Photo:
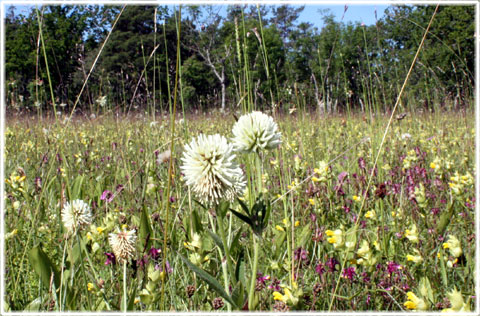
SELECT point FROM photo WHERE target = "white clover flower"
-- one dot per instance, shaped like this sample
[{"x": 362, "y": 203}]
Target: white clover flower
[
  {"x": 123, "y": 244},
  {"x": 76, "y": 215},
  {"x": 210, "y": 169},
  {"x": 254, "y": 132}
]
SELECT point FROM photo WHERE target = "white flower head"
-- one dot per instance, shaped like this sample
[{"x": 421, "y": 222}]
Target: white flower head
[
  {"x": 254, "y": 132},
  {"x": 210, "y": 169},
  {"x": 123, "y": 244},
  {"x": 76, "y": 215}
]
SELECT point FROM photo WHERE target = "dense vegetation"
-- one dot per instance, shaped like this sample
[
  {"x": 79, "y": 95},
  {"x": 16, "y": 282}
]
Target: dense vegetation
[
  {"x": 422, "y": 192},
  {"x": 263, "y": 56}
]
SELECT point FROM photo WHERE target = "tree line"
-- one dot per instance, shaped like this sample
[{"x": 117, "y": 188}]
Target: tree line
[{"x": 259, "y": 56}]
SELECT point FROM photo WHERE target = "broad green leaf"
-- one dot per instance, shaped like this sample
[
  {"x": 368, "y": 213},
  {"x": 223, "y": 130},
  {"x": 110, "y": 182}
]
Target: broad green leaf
[
  {"x": 240, "y": 268},
  {"x": 77, "y": 187},
  {"x": 204, "y": 275},
  {"x": 145, "y": 228},
  {"x": 216, "y": 238},
  {"x": 44, "y": 267}
]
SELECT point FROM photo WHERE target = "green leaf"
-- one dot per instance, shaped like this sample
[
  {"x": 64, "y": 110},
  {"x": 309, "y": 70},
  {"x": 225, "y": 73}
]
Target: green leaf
[
  {"x": 34, "y": 306},
  {"x": 445, "y": 220},
  {"x": 244, "y": 207},
  {"x": 222, "y": 209},
  {"x": 240, "y": 269},
  {"x": 77, "y": 187},
  {"x": 131, "y": 301},
  {"x": 426, "y": 289},
  {"x": 242, "y": 217},
  {"x": 44, "y": 267},
  {"x": 202, "y": 274},
  {"x": 145, "y": 228},
  {"x": 216, "y": 239},
  {"x": 238, "y": 294}
]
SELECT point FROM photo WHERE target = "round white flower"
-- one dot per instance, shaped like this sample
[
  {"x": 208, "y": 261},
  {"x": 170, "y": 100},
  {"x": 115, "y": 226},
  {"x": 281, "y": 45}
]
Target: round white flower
[
  {"x": 254, "y": 132},
  {"x": 210, "y": 169},
  {"x": 123, "y": 244},
  {"x": 76, "y": 215}
]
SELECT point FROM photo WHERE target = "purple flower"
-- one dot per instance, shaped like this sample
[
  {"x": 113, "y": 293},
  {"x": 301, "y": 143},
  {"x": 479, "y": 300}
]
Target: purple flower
[
  {"x": 107, "y": 196},
  {"x": 275, "y": 285},
  {"x": 349, "y": 273},
  {"x": 331, "y": 264},
  {"x": 320, "y": 268},
  {"x": 393, "y": 267},
  {"x": 167, "y": 266},
  {"x": 262, "y": 278},
  {"x": 110, "y": 258},
  {"x": 367, "y": 301},
  {"x": 153, "y": 252}
]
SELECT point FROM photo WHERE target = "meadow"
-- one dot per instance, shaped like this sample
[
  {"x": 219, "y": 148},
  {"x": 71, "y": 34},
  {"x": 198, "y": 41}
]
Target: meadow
[{"x": 316, "y": 225}]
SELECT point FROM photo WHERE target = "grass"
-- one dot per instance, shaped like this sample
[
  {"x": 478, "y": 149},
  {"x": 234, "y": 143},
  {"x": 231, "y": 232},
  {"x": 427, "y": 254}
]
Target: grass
[{"x": 47, "y": 164}]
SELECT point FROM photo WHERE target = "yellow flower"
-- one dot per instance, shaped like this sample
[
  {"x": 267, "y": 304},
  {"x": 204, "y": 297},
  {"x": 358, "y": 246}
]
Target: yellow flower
[
  {"x": 277, "y": 296},
  {"x": 453, "y": 245},
  {"x": 315, "y": 179},
  {"x": 412, "y": 234},
  {"x": 335, "y": 237},
  {"x": 415, "y": 258},
  {"x": 415, "y": 302},
  {"x": 297, "y": 223},
  {"x": 280, "y": 228},
  {"x": 90, "y": 287},
  {"x": 356, "y": 198},
  {"x": 312, "y": 201},
  {"x": 456, "y": 300},
  {"x": 100, "y": 230},
  {"x": 370, "y": 214}
]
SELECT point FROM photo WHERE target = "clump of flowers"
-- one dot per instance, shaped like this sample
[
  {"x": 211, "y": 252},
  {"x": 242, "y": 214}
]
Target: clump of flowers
[
  {"x": 456, "y": 301},
  {"x": 254, "y": 132},
  {"x": 335, "y": 237},
  {"x": 415, "y": 303},
  {"x": 76, "y": 215},
  {"x": 420, "y": 196},
  {"x": 322, "y": 173},
  {"x": 409, "y": 159},
  {"x": 412, "y": 234},
  {"x": 123, "y": 244},
  {"x": 210, "y": 169},
  {"x": 453, "y": 245}
]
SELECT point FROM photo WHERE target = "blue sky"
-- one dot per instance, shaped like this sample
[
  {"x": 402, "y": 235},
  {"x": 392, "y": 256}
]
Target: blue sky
[{"x": 312, "y": 12}]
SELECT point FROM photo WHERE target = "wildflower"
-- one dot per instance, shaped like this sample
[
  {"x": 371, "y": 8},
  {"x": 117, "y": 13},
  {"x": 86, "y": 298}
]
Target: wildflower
[
  {"x": 210, "y": 170},
  {"x": 335, "y": 237},
  {"x": 453, "y": 245},
  {"x": 412, "y": 234},
  {"x": 456, "y": 300},
  {"x": 90, "y": 286},
  {"x": 406, "y": 136},
  {"x": 415, "y": 258},
  {"x": 107, "y": 196},
  {"x": 311, "y": 201},
  {"x": 254, "y": 132},
  {"x": 415, "y": 302},
  {"x": 76, "y": 215},
  {"x": 164, "y": 157},
  {"x": 349, "y": 273},
  {"x": 322, "y": 171},
  {"x": 320, "y": 268},
  {"x": 370, "y": 214},
  {"x": 123, "y": 244},
  {"x": 356, "y": 198},
  {"x": 420, "y": 196}
]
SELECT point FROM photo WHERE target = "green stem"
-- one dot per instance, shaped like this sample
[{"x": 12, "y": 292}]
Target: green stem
[
  {"x": 221, "y": 229},
  {"x": 224, "y": 266},
  {"x": 251, "y": 294},
  {"x": 125, "y": 286}
]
